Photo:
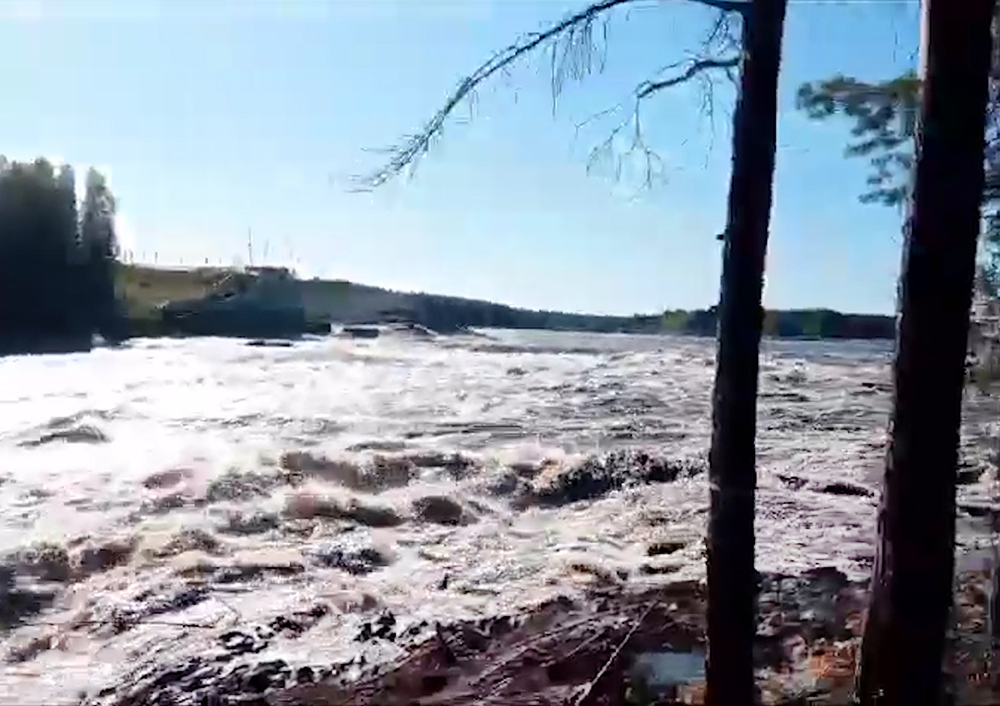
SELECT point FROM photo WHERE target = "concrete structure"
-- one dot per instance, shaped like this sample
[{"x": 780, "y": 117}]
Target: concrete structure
[
  {"x": 262, "y": 301},
  {"x": 276, "y": 288}
]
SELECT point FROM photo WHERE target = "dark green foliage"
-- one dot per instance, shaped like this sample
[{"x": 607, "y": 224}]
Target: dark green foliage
[
  {"x": 56, "y": 267},
  {"x": 885, "y": 122},
  {"x": 446, "y": 314},
  {"x": 885, "y": 125},
  {"x": 802, "y": 323}
]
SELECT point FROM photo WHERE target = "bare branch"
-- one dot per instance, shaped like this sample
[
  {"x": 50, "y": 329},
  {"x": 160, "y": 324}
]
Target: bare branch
[
  {"x": 578, "y": 53},
  {"x": 726, "y": 5},
  {"x": 576, "y": 61},
  {"x": 648, "y": 88},
  {"x": 637, "y": 148}
]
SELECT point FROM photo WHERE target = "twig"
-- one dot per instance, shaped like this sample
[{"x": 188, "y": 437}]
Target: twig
[
  {"x": 577, "y": 26},
  {"x": 650, "y": 87},
  {"x": 697, "y": 69},
  {"x": 579, "y": 648},
  {"x": 582, "y": 698}
]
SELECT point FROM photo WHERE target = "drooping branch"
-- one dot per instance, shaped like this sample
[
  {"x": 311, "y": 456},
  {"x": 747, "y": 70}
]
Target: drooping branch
[
  {"x": 648, "y": 88},
  {"x": 575, "y": 62},
  {"x": 885, "y": 122},
  {"x": 637, "y": 146}
]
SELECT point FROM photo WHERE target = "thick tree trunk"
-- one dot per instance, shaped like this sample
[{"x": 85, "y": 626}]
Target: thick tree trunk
[
  {"x": 732, "y": 580},
  {"x": 912, "y": 584}
]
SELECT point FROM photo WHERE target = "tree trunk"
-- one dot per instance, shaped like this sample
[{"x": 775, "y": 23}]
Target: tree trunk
[
  {"x": 912, "y": 583},
  {"x": 732, "y": 581}
]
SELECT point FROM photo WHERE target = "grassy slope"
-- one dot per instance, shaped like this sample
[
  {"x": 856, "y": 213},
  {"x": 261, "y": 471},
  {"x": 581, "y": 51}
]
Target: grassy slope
[{"x": 145, "y": 287}]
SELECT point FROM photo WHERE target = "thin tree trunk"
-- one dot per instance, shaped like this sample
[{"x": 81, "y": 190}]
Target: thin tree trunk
[
  {"x": 732, "y": 580},
  {"x": 912, "y": 583}
]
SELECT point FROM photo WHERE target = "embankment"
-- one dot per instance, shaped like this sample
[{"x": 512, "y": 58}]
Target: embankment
[{"x": 143, "y": 288}]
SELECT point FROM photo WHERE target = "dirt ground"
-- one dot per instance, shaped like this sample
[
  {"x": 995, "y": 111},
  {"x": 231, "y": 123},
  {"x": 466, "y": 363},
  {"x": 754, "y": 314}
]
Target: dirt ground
[{"x": 578, "y": 653}]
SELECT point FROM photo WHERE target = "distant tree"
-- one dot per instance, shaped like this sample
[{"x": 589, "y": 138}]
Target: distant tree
[
  {"x": 675, "y": 321},
  {"x": 100, "y": 245},
  {"x": 885, "y": 124},
  {"x": 55, "y": 273}
]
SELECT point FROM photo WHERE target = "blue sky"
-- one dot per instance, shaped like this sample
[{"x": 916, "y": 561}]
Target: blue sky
[{"x": 215, "y": 116}]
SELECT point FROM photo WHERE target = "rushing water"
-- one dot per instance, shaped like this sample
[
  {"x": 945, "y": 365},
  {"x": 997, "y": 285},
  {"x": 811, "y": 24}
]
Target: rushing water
[{"x": 150, "y": 489}]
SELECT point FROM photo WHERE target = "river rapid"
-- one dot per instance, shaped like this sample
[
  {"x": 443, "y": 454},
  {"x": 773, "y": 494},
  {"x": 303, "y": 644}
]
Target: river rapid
[{"x": 154, "y": 495}]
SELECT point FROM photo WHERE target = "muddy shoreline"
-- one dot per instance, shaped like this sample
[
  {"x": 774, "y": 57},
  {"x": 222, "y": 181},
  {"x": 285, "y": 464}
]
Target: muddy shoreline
[{"x": 580, "y": 650}]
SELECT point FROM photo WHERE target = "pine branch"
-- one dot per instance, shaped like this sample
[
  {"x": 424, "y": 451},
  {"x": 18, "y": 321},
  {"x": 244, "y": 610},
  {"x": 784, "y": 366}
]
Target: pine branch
[
  {"x": 577, "y": 28},
  {"x": 885, "y": 123}
]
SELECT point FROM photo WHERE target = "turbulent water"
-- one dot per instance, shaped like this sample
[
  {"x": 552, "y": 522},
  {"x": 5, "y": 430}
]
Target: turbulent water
[{"x": 168, "y": 485}]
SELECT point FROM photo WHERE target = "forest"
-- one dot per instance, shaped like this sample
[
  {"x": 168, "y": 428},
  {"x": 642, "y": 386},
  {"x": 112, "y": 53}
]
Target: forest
[
  {"x": 62, "y": 282},
  {"x": 449, "y": 314},
  {"x": 57, "y": 257}
]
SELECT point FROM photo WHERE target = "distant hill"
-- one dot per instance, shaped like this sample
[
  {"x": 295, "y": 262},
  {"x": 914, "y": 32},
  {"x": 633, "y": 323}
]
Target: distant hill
[{"x": 341, "y": 301}]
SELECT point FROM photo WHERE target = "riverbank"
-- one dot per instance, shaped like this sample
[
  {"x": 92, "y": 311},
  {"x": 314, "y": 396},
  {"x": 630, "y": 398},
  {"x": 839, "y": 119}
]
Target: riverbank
[
  {"x": 314, "y": 304},
  {"x": 144, "y": 288},
  {"x": 641, "y": 644}
]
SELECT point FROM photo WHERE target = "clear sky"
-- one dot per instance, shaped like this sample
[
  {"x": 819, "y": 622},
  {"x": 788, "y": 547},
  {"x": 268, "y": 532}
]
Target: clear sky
[{"x": 215, "y": 116}]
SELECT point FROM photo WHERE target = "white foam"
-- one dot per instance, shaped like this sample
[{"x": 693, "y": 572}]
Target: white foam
[{"x": 213, "y": 406}]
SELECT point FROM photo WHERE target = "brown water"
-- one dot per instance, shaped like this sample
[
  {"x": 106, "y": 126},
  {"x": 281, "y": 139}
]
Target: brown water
[{"x": 170, "y": 484}]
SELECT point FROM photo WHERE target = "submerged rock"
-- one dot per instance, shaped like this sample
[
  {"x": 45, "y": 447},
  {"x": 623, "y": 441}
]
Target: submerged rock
[
  {"x": 270, "y": 343},
  {"x": 660, "y": 548},
  {"x": 379, "y": 473},
  {"x": 45, "y": 561},
  {"x": 186, "y": 540},
  {"x": 239, "y": 486},
  {"x": 300, "y": 465},
  {"x": 848, "y": 489},
  {"x": 82, "y": 434},
  {"x": 19, "y": 601},
  {"x": 357, "y": 560},
  {"x": 597, "y": 476},
  {"x": 167, "y": 479},
  {"x": 442, "y": 510},
  {"x": 249, "y": 523},
  {"x": 307, "y": 506},
  {"x": 96, "y": 557}
]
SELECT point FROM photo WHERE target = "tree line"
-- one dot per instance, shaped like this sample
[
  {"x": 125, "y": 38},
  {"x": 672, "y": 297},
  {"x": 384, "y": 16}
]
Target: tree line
[
  {"x": 795, "y": 323},
  {"x": 57, "y": 256},
  {"x": 446, "y": 314},
  {"x": 934, "y": 142},
  {"x": 58, "y": 266}
]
